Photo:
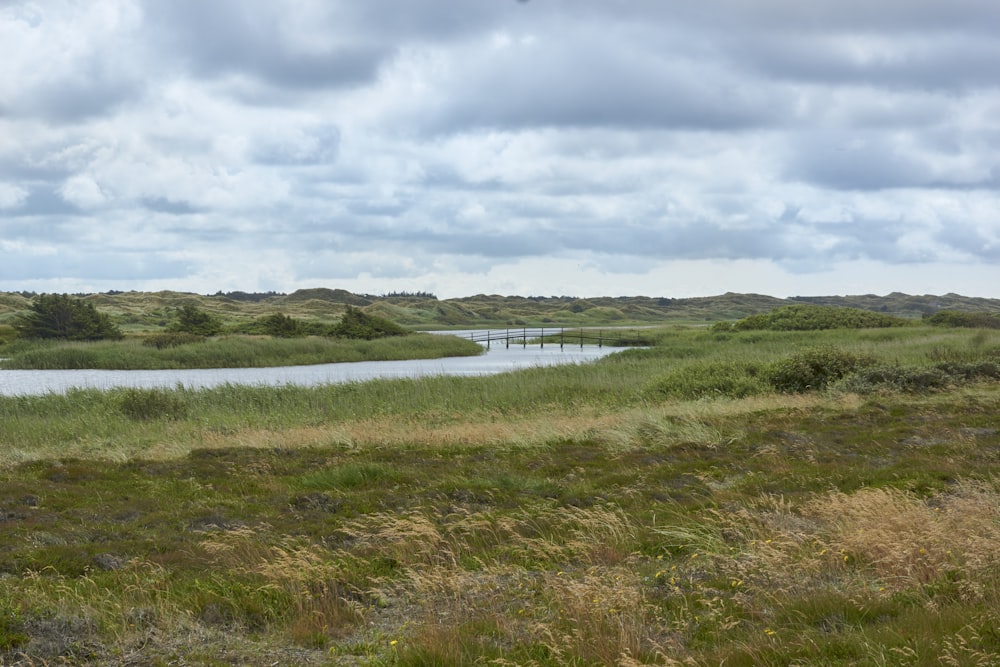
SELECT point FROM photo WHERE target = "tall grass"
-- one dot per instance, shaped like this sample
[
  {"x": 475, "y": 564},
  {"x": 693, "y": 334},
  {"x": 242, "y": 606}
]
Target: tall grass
[
  {"x": 231, "y": 352},
  {"x": 684, "y": 365}
]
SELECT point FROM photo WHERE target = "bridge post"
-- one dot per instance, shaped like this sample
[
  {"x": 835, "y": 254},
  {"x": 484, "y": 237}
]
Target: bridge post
[
  {"x": 508, "y": 339},
  {"x": 561, "y": 332},
  {"x": 541, "y": 339}
]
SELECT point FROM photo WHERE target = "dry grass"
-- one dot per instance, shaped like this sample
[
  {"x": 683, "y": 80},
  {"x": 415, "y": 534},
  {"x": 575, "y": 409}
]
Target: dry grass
[{"x": 907, "y": 541}]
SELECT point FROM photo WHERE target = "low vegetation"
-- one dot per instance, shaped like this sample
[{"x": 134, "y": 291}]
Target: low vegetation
[
  {"x": 742, "y": 498},
  {"x": 813, "y": 318},
  {"x": 957, "y": 318},
  {"x": 175, "y": 351},
  {"x": 63, "y": 332}
]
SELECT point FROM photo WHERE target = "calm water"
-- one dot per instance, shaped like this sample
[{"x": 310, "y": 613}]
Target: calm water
[{"x": 498, "y": 359}]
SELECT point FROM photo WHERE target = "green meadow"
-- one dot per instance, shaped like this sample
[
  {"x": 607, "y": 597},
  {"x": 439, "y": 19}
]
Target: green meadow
[{"x": 723, "y": 496}]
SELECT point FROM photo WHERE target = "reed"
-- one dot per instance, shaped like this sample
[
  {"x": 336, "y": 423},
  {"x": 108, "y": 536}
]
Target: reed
[{"x": 230, "y": 352}]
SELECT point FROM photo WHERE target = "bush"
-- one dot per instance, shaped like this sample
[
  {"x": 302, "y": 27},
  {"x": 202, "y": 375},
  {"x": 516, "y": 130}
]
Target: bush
[
  {"x": 971, "y": 371},
  {"x": 190, "y": 319},
  {"x": 815, "y": 368},
  {"x": 813, "y": 318},
  {"x": 357, "y": 324},
  {"x": 12, "y": 634},
  {"x": 281, "y": 326},
  {"x": 710, "y": 380},
  {"x": 893, "y": 378},
  {"x": 61, "y": 316},
  {"x": 148, "y": 404},
  {"x": 956, "y": 318},
  {"x": 8, "y": 334}
]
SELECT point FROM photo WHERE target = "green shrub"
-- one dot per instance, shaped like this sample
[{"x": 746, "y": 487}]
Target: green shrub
[
  {"x": 162, "y": 341},
  {"x": 956, "y": 318},
  {"x": 813, "y": 318},
  {"x": 815, "y": 368},
  {"x": 148, "y": 404},
  {"x": 8, "y": 334},
  {"x": 64, "y": 317},
  {"x": 190, "y": 319},
  {"x": 358, "y": 324},
  {"x": 971, "y": 371},
  {"x": 282, "y": 326},
  {"x": 12, "y": 635},
  {"x": 709, "y": 380},
  {"x": 909, "y": 379}
]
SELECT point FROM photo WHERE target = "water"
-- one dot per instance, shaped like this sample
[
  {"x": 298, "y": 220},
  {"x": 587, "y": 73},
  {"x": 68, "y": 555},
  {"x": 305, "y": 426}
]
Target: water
[{"x": 498, "y": 359}]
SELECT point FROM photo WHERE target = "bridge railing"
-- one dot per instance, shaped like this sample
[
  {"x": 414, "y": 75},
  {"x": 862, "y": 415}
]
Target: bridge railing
[{"x": 560, "y": 336}]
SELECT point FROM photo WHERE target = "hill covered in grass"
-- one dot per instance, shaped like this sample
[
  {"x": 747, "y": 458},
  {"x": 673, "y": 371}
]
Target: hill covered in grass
[{"x": 144, "y": 311}]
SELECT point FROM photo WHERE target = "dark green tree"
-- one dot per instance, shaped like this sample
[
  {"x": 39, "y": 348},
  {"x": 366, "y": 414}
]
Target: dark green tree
[
  {"x": 64, "y": 317},
  {"x": 190, "y": 319},
  {"x": 281, "y": 326},
  {"x": 357, "y": 324}
]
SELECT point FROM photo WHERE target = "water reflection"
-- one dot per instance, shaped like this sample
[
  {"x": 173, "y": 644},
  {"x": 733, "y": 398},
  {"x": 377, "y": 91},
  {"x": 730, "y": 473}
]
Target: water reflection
[{"x": 498, "y": 359}]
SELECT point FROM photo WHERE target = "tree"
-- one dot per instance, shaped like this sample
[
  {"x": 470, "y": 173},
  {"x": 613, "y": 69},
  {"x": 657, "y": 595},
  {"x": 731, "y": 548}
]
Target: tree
[
  {"x": 357, "y": 324},
  {"x": 64, "y": 317},
  {"x": 281, "y": 326},
  {"x": 189, "y": 319}
]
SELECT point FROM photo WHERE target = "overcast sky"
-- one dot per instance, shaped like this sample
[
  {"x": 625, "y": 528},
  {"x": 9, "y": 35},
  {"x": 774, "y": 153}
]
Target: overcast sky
[{"x": 541, "y": 147}]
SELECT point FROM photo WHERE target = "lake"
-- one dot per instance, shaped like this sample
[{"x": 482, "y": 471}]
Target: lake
[{"x": 498, "y": 359}]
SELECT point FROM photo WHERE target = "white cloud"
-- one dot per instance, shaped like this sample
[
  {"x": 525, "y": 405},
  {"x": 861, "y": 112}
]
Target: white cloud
[
  {"x": 83, "y": 191},
  {"x": 573, "y": 146},
  {"x": 12, "y": 196}
]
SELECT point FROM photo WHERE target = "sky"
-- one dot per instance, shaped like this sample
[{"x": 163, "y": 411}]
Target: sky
[{"x": 513, "y": 147}]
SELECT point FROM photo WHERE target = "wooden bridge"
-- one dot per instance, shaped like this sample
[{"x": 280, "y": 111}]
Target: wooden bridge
[{"x": 560, "y": 336}]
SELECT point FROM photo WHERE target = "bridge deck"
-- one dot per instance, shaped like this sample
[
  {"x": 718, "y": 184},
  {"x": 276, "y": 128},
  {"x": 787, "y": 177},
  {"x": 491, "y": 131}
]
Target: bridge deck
[{"x": 559, "y": 335}]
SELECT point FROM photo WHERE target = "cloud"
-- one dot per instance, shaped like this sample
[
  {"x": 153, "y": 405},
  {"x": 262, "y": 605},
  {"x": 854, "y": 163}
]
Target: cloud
[
  {"x": 12, "y": 196},
  {"x": 242, "y": 144}
]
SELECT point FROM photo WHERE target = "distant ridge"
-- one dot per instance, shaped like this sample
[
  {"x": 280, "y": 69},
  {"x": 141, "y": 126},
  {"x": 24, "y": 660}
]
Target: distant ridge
[{"x": 424, "y": 310}]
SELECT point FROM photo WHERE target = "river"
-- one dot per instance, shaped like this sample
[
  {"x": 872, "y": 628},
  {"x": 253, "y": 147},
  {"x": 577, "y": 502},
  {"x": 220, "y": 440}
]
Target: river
[{"x": 498, "y": 359}]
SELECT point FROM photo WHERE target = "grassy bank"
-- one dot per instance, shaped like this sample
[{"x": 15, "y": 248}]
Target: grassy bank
[
  {"x": 591, "y": 515},
  {"x": 229, "y": 352}
]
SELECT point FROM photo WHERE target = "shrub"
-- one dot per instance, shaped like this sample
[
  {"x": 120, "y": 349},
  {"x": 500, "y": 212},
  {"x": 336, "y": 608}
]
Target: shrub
[
  {"x": 7, "y": 334},
  {"x": 190, "y": 319},
  {"x": 813, "y": 318},
  {"x": 358, "y": 324},
  {"x": 956, "y": 318},
  {"x": 281, "y": 326},
  {"x": 65, "y": 317},
  {"x": 815, "y": 368},
  {"x": 971, "y": 371},
  {"x": 708, "y": 380},
  {"x": 148, "y": 404},
  {"x": 893, "y": 378},
  {"x": 12, "y": 634}
]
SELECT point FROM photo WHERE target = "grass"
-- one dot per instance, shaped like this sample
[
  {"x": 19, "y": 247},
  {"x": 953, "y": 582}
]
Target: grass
[
  {"x": 557, "y": 516},
  {"x": 229, "y": 352}
]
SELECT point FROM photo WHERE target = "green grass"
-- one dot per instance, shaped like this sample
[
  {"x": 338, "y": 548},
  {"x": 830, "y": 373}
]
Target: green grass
[
  {"x": 230, "y": 352},
  {"x": 555, "y": 516}
]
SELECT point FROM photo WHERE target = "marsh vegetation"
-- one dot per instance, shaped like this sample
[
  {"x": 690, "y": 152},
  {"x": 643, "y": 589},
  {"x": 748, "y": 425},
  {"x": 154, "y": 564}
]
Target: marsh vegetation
[{"x": 682, "y": 504}]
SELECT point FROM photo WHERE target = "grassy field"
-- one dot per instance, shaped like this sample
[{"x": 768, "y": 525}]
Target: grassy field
[
  {"x": 687, "y": 504},
  {"x": 228, "y": 352}
]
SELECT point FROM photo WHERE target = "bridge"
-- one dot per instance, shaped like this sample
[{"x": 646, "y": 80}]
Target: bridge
[{"x": 560, "y": 336}]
